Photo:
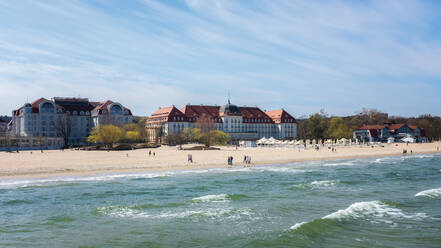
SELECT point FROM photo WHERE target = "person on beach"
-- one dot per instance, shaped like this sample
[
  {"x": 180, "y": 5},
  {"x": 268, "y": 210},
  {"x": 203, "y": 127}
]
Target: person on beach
[
  {"x": 245, "y": 158},
  {"x": 248, "y": 159},
  {"x": 150, "y": 153},
  {"x": 154, "y": 154},
  {"x": 190, "y": 158}
]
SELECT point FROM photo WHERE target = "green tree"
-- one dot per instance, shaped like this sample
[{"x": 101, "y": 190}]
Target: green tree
[
  {"x": 316, "y": 126},
  {"x": 338, "y": 129},
  {"x": 132, "y": 136},
  {"x": 95, "y": 136},
  {"x": 213, "y": 137},
  {"x": 108, "y": 134},
  {"x": 111, "y": 134}
]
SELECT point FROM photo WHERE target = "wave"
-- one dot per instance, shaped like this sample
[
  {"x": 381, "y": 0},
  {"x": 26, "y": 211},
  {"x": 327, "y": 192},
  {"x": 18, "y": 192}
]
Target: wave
[
  {"x": 431, "y": 193},
  {"x": 219, "y": 198},
  {"x": 345, "y": 163},
  {"x": 372, "y": 211},
  {"x": 212, "y": 213},
  {"x": 325, "y": 183},
  {"x": 212, "y": 198},
  {"x": 63, "y": 180}
]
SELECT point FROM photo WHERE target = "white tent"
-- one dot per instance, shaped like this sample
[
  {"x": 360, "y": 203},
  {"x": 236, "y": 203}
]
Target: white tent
[
  {"x": 408, "y": 139},
  {"x": 262, "y": 141}
]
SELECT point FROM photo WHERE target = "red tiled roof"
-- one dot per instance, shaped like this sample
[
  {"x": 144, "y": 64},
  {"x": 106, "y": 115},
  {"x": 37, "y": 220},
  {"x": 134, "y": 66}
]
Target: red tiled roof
[
  {"x": 166, "y": 114},
  {"x": 372, "y": 127},
  {"x": 254, "y": 114},
  {"x": 280, "y": 116},
  {"x": 192, "y": 112}
]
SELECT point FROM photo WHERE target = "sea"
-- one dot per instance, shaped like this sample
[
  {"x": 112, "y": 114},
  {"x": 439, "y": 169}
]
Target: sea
[{"x": 374, "y": 202}]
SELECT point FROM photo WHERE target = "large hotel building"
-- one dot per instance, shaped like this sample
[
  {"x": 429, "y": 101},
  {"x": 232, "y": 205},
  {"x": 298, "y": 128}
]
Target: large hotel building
[
  {"x": 44, "y": 118},
  {"x": 241, "y": 123}
]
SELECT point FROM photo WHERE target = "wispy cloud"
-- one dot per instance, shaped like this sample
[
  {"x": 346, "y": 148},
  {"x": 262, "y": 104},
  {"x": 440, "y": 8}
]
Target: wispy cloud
[{"x": 299, "y": 55}]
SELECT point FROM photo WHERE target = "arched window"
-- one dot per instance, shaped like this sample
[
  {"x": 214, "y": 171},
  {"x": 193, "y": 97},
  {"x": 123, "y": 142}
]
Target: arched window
[
  {"x": 116, "y": 110},
  {"x": 74, "y": 112},
  {"x": 47, "y": 107},
  {"x": 82, "y": 113}
]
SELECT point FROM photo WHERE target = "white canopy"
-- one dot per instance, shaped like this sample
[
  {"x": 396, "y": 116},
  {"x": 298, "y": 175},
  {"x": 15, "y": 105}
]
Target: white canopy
[{"x": 408, "y": 139}]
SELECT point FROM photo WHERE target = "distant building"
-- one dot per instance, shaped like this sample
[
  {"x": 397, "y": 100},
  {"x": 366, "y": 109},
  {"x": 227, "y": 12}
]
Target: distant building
[
  {"x": 4, "y": 120},
  {"x": 48, "y": 118},
  {"x": 241, "y": 123},
  {"x": 375, "y": 133}
]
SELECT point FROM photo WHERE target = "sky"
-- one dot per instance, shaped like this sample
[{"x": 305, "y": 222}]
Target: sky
[{"x": 302, "y": 56}]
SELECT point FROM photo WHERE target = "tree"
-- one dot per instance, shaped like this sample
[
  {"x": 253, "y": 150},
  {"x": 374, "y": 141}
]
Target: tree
[
  {"x": 63, "y": 127},
  {"x": 132, "y": 136},
  {"x": 316, "y": 126},
  {"x": 95, "y": 136},
  {"x": 191, "y": 134},
  {"x": 338, "y": 129},
  {"x": 206, "y": 124},
  {"x": 108, "y": 134}
]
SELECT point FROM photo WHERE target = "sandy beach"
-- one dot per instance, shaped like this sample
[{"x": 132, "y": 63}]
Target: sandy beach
[{"x": 77, "y": 163}]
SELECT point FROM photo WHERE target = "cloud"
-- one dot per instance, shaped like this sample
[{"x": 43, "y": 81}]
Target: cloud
[{"x": 299, "y": 55}]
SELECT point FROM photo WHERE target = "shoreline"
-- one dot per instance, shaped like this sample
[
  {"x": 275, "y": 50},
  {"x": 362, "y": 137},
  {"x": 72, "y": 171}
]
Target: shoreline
[{"x": 7, "y": 173}]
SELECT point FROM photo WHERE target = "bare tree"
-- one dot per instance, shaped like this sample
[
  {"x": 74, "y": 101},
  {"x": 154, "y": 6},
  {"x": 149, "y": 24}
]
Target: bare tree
[
  {"x": 206, "y": 124},
  {"x": 63, "y": 126}
]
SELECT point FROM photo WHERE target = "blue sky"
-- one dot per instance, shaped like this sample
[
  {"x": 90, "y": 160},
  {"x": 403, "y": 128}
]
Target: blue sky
[{"x": 302, "y": 56}]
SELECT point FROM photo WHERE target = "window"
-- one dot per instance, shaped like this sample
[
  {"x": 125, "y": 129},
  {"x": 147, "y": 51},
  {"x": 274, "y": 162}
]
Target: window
[
  {"x": 116, "y": 110},
  {"x": 43, "y": 123},
  {"x": 82, "y": 113},
  {"x": 74, "y": 112}
]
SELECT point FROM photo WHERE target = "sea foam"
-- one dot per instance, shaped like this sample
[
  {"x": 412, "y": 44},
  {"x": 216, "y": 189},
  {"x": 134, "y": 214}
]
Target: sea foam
[
  {"x": 431, "y": 193},
  {"x": 212, "y": 198},
  {"x": 375, "y": 211},
  {"x": 324, "y": 183},
  {"x": 372, "y": 211}
]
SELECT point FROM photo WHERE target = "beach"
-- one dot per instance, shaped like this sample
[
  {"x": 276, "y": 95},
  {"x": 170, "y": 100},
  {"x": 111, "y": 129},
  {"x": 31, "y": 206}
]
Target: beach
[{"x": 50, "y": 163}]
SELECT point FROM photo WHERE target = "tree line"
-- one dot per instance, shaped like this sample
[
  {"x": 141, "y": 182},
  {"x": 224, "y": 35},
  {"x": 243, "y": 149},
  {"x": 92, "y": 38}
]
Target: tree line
[{"x": 322, "y": 126}]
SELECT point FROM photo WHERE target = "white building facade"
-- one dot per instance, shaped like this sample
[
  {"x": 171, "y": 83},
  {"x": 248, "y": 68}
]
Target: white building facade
[
  {"x": 240, "y": 123},
  {"x": 69, "y": 118}
]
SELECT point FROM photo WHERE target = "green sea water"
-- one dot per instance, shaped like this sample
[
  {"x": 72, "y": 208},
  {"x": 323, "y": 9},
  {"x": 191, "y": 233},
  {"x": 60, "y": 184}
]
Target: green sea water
[{"x": 382, "y": 202}]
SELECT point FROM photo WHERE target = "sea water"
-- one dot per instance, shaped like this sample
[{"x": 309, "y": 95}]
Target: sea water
[{"x": 381, "y": 202}]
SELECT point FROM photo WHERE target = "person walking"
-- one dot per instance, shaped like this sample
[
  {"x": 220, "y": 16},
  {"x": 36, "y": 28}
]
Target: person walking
[{"x": 190, "y": 158}]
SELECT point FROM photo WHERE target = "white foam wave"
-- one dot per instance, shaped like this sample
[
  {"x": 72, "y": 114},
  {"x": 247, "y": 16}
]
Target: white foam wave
[
  {"x": 345, "y": 163},
  {"x": 212, "y": 213},
  {"x": 375, "y": 211},
  {"x": 297, "y": 225},
  {"x": 211, "y": 198},
  {"x": 325, "y": 183},
  {"x": 60, "y": 180},
  {"x": 431, "y": 193}
]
